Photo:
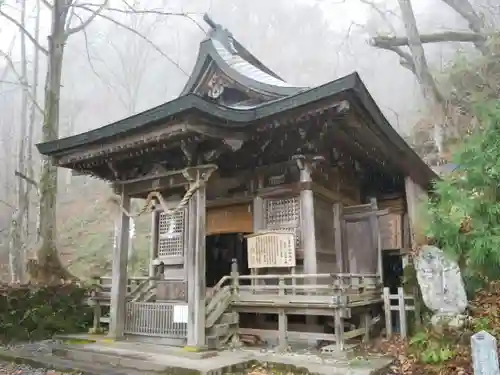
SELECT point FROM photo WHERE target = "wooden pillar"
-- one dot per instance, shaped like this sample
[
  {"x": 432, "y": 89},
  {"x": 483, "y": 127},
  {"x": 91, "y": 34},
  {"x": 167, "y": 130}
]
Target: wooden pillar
[
  {"x": 341, "y": 251},
  {"x": 307, "y": 227},
  {"x": 258, "y": 224},
  {"x": 374, "y": 225},
  {"x": 153, "y": 249},
  {"x": 415, "y": 195},
  {"x": 196, "y": 261},
  {"x": 119, "y": 272}
]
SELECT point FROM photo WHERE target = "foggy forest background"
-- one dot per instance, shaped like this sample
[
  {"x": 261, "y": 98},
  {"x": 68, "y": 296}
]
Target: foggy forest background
[{"x": 138, "y": 54}]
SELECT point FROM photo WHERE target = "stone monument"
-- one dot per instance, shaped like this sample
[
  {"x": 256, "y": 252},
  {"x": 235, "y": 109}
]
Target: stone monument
[
  {"x": 484, "y": 354},
  {"x": 442, "y": 286}
]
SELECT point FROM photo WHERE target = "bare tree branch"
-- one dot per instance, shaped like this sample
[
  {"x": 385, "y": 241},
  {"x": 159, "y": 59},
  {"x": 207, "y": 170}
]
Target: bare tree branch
[
  {"x": 87, "y": 51},
  {"x": 7, "y": 204},
  {"x": 476, "y": 22},
  {"x": 381, "y": 13},
  {"x": 83, "y": 25},
  {"x": 21, "y": 80},
  {"x": 132, "y": 10},
  {"x": 14, "y": 83},
  {"x": 26, "y": 178},
  {"x": 466, "y": 10},
  {"x": 24, "y": 31},
  {"x": 406, "y": 60},
  {"x": 47, "y": 4},
  {"x": 147, "y": 40},
  {"x": 439, "y": 37}
]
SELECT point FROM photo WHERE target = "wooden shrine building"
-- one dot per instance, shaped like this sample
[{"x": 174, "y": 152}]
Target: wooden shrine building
[{"x": 271, "y": 199}]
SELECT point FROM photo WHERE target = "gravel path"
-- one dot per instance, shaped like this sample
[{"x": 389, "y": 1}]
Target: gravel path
[
  {"x": 15, "y": 369},
  {"x": 42, "y": 347}
]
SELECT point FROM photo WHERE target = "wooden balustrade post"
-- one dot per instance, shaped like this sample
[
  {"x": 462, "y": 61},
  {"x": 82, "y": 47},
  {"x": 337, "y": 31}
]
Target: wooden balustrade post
[
  {"x": 403, "y": 330},
  {"x": 235, "y": 282},
  {"x": 97, "y": 317},
  {"x": 366, "y": 323},
  {"x": 387, "y": 311},
  {"x": 282, "y": 319},
  {"x": 339, "y": 329}
]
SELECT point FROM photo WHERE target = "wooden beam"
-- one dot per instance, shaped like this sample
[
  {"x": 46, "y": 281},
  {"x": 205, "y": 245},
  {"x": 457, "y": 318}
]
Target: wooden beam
[
  {"x": 161, "y": 133},
  {"x": 160, "y": 181}
]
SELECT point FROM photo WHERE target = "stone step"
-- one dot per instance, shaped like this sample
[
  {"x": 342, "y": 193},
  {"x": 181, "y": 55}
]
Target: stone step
[
  {"x": 65, "y": 365},
  {"x": 122, "y": 360}
]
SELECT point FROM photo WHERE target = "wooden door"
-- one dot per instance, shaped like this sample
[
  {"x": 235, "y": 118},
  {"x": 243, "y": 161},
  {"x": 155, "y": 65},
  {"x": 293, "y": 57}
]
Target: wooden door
[
  {"x": 236, "y": 218},
  {"x": 362, "y": 238}
]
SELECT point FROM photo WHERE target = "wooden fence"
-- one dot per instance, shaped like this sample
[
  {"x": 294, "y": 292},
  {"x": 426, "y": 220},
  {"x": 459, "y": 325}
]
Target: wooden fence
[{"x": 401, "y": 303}]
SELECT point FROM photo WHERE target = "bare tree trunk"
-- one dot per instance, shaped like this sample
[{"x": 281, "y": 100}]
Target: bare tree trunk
[
  {"x": 49, "y": 263},
  {"x": 476, "y": 22},
  {"x": 16, "y": 255},
  {"x": 424, "y": 76},
  {"x": 32, "y": 117}
]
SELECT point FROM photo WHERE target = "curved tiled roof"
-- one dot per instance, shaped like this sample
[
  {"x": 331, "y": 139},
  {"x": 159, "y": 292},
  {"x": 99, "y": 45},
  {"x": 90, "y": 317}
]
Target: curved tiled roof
[
  {"x": 235, "y": 61},
  {"x": 272, "y": 96},
  {"x": 235, "y": 118}
]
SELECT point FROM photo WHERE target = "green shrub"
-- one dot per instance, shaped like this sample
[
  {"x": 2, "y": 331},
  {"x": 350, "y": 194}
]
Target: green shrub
[
  {"x": 463, "y": 215},
  {"x": 39, "y": 312},
  {"x": 432, "y": 347}
]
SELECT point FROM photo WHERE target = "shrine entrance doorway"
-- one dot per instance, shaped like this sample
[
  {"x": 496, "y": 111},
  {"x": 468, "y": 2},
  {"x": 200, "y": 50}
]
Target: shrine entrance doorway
[
  {"x": 221, "y": 249},
  {"x": 225, "y": 240}
]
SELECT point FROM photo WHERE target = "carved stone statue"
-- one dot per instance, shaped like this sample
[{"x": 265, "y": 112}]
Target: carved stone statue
[{"x": 442, "y": 286}]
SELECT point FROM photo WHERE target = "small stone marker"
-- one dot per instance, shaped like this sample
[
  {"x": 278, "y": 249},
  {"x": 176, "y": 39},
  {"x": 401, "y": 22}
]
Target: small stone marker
[{"x": 484, "y": 354}]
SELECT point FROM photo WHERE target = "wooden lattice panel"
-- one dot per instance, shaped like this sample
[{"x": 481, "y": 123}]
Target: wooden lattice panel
[
  {"x": 271, "y": 249},
  {"x": 283, "y": 215},
  {"x": 171, "y": 234}
]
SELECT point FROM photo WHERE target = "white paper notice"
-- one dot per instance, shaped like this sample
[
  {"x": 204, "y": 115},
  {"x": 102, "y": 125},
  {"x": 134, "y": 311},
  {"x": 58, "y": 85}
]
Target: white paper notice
[{"x": 180, "y": 313}]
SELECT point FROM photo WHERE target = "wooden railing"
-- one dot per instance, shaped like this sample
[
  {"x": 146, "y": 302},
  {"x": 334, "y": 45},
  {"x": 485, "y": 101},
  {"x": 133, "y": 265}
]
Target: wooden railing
[
  {"x": 101, "y": 295},
  {"x": 102, "y": 288},
  {"x": 328, "y": 290},
  {"x": 316, "y": 294},
  {"x": 401, "y": 303}
]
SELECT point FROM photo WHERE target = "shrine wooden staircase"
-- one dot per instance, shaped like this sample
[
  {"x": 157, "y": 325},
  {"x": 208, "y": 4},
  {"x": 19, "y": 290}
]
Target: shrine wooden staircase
[{"x": 221, "y": 323}]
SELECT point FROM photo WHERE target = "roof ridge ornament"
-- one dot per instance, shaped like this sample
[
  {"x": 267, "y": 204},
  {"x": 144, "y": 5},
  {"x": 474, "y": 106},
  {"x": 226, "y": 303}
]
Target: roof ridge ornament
[{"x": 221, "y": 34}]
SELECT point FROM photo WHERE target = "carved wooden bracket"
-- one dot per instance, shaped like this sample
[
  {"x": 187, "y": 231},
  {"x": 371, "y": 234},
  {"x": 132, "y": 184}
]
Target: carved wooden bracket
[
  {"x": 199, "y": 174},
  {"x": 306, "y": 165}
]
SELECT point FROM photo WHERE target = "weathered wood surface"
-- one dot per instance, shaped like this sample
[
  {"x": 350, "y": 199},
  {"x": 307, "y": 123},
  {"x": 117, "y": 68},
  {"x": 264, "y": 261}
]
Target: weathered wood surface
[
  {"x": 403, "y": 303},
  {"x": 331, "y": 294}
]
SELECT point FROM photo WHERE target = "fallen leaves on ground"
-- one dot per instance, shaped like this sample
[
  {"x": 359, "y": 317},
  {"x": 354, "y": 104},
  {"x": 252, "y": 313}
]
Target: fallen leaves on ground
[{"x": 485, "y": 311}]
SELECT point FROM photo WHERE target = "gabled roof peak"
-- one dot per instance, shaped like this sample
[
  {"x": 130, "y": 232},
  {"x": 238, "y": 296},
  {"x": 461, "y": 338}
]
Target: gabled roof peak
[
  {"x": 227, "y": 72},
  {"x": 221, "y": 34}
]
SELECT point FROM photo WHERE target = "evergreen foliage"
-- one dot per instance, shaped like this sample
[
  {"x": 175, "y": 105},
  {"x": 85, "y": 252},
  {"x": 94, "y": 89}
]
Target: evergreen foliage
[{"x": 463, "y": 215}]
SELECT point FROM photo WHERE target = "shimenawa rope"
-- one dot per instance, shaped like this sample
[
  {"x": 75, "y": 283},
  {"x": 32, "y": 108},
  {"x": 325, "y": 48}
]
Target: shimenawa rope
[{"x": 155, "y": 194}]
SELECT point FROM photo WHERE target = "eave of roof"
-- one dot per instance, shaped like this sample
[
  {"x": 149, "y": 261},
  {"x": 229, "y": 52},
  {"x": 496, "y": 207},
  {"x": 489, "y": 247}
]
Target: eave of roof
[{"x": 351, "y": 85}]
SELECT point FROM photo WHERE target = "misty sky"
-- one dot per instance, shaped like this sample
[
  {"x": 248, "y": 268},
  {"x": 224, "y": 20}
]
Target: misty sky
[{"x": 340, "y": 14}]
